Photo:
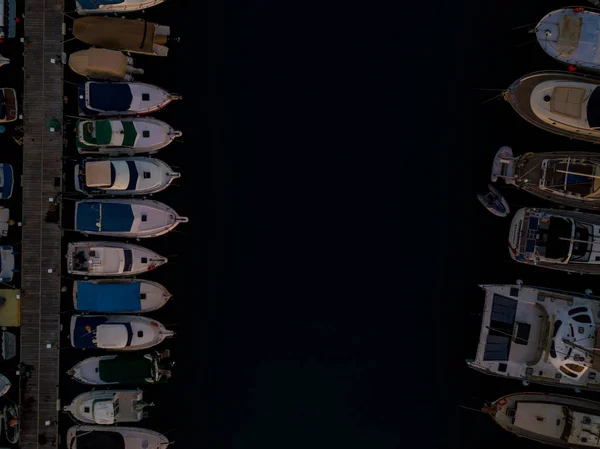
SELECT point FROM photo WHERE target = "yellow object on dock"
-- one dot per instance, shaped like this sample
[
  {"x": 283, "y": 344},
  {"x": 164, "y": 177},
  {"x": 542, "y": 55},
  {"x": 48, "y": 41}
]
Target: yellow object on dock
[{"x": 10, "y": 310}]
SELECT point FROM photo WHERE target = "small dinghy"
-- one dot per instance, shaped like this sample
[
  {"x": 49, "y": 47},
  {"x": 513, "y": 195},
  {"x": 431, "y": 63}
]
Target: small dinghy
[
  {"x": 116, "y": 332},
  {"x": 551, "y": 419},
  {"x": 117, "y": 437},
  {"x": 494, "y": 202},
  {"x": 563, "y": 103},
  {"x": 127, "y": 135},
  {"x": 9, "y": 106},
  {"x": 125, "y": 218},
  {"x": 111, "y": 259},
  {"x": 119, "y": 295},
  {"x": 130, "y": 35},
  {"x": 104, "y": 99},
  {"x": 100, "y": 63},
  {"x": 7, "y": 263},
  {"x": 131, "y": 369},
  {"x": 11, "y": 422},
  {"x": 123, "y": 176},
  {"x": 108, "y": 407},
  {"x": 569, "y": 35},
  {"x": 4, "y": 385},
  {"x": 7, "y": 181}
]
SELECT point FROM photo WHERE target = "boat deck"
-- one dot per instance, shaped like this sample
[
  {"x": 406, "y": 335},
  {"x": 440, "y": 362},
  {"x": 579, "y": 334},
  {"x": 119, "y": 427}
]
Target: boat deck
[
  {"x": 41, "y": 247},
  {"x": 519, "y": 96}
]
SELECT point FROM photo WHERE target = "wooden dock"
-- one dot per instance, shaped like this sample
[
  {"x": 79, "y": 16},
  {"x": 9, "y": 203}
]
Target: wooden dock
[{"x": 41, "y": 248}]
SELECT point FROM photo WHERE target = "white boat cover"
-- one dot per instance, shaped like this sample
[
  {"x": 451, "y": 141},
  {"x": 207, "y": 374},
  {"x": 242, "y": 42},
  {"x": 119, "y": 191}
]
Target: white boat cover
[{"x": 112, "y": 336}]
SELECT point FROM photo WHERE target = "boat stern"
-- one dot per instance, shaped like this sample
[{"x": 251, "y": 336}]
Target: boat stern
[{"x": 503, "y": 165}]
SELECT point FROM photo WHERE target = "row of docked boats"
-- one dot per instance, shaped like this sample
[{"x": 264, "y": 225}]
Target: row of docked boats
[
  {"x": 117, "y": 135},
  {"x": 540, "y": 335}
]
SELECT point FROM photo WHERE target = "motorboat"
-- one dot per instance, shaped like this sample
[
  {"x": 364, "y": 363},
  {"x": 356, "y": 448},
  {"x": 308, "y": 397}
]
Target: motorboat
[
  {"x": 111, "y": 259},
  {"x": 119, "y": 295},
  {"x": 107, "y": 407},
  {"x": 7, "y": 263},
  {"x": 494, "y": 202},
  {"x": 122, "y": 176},
  {"x": 104, "y": 64},
  {"x": 85, "y": 7},
  {"x": 125, "y": 218},
  {"x": 9, "y": 105},
  {"x": 569, "y": 35},
  {"x": 123, "y": 135},
  {"x": 116, "y": 332},
  {"x": 127, "y": 98},
  {"x": 556, "y": 239},
  {"x": 563, "y": 103},
  {"x": 567, "y": 177},
  {"x": 116, "y": 33},
  {"x": 552, "y": 419},
  {"x": 4, "y": 385},
  {"x": 133, "y": 368},
  {"x": 540, "y": 335},
  {"x": 7, "y": 181},
  {"x": 115, "y": 437}
]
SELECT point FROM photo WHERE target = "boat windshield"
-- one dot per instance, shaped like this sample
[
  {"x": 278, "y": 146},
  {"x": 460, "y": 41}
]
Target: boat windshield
[
  {"x": 593, "y": 109},
  {"x": 575, "y": 177},
  {"x": 554, "y": 238}
]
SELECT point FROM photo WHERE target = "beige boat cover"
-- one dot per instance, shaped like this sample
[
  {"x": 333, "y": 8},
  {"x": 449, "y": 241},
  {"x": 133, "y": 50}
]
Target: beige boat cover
[
  {"x": 99, "y": 63},
  {"x": 116, "y": 33},
  {"x": 97, "y": 174},
  {"x": 569, "y": 32}
]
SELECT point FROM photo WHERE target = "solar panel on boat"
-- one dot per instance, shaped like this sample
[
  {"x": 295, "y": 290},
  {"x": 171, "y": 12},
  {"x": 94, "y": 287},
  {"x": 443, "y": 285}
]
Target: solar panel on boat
[
  {"x": 533, "y": 223},
  {"x": 530, "y": 245}
]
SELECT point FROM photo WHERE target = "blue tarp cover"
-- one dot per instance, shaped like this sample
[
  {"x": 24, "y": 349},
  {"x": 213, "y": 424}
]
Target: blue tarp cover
[
  {"x": 110, "y": 96},
  {"x": 8, "y": 176},
  {"x": 115, "y": 217},
  {"x": 95, "y": 4},
  {"x": 82, "y": 337},
  {"x": 108, "y": 297}
]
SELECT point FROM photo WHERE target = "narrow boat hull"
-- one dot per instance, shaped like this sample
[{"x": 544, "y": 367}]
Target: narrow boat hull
[{"x": 130, "y": 437}]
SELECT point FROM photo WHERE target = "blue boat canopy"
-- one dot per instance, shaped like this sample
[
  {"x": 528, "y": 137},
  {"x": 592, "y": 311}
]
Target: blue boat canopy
[
  {"x": 109, "y": 297},
  {"x": 96, "y": 216},
  {"x": 7, "y": 181},
  {"x": 110, "y": 96},
  {"x": 95, "y": 4}
]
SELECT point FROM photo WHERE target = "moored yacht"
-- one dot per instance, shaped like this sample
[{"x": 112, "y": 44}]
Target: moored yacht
[
  {"x": 103, "y": 64},
  {"x": 556, "y": 239},
  {"x": 85, "y": 7},
  {"x": 119, "y": 295},
  {"x": 539, "y": 335},
  {"x": 134, "y": 368},
  {"x": 127, "y": 98},
  {"x": 108, "y": 407},
  {"x": 123, "y": 176},
  {"x": 117, "y": 437},
  {"x": 549, "y": 418},
  {"x": 116, "y": 332},
  {"x": 125, "y": 218},
  {"x": 564, "y": 177},
  {"x": 563, "y": 103},
  {"x": 110, "y": 259},
  {"x": 124, "y": 135},
  {"x": 569, "y": 35}
]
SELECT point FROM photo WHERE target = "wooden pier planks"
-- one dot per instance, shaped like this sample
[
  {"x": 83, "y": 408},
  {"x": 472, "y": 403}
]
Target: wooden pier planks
[{"x": 41, "y": 249}]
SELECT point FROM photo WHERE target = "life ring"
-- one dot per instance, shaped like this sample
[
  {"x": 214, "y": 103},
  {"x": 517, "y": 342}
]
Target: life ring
[{"x": 502, "y": 401}]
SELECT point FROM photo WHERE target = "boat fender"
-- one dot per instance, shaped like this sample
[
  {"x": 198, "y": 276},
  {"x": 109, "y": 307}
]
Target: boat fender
[{"x": 502, "y": 401}]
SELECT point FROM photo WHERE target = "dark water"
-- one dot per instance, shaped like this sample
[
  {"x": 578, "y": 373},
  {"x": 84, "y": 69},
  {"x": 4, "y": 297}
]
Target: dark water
[{"x": 326, "y": 285}]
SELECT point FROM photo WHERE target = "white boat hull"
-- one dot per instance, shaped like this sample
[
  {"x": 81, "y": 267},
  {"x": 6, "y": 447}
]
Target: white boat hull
[
  {"x": 111, "y": 259},
  {"x": 134, "y": 437}
]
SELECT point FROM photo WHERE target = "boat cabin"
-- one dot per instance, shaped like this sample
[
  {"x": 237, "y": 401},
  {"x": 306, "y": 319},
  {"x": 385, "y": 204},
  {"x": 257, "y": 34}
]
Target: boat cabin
[{"x": 9, "y": 108}]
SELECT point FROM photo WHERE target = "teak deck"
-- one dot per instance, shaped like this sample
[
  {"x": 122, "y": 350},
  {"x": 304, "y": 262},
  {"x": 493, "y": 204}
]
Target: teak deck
[{"x": 41, "y": 249}]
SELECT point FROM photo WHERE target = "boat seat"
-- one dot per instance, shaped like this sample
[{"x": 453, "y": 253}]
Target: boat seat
[
  {"x": 569, "y": 33},
  {"x": 567, "y": 101}
]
